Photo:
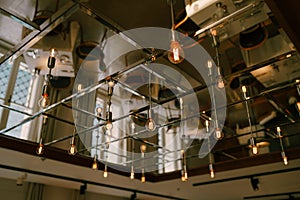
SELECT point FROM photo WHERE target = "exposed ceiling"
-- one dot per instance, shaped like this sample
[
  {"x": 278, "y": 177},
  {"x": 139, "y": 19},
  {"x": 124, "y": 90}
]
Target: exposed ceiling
[{"x": 268, "y": 67}]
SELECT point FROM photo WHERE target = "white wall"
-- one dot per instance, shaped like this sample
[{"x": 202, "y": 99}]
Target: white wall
[{"x": 10, "y": 191}]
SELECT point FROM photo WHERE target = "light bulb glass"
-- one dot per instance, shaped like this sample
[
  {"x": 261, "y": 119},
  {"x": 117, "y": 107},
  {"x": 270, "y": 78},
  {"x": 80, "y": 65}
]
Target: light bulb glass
[
  {"x": 211, "y": 170},
  {"x": 53, "y": 52},
  {"x": 284, "y": 158},
  {"x": 220, "y": 82},
  {"x": 40, "y": 149},
  {"x": 212, "y": 174},
  {"x": 207, "y": 126},
  {"x": 44, "y": 101},
  {"x": 108, "y": 125},
  {"x": 111, "y": 83},
  {"x": 150, "y": 124},
  {"x": 254, "y": 150},
  {"x": 143, "y": 179},
  {"x": 105, "y": 174},
  {"x": 209, "y": 64},
  {"x": 143, "y": 148},
  {"x": 95, "y": 164},
  {"x": 132, "y": 173},
  {"x": 218, "y": 134},
  {"x": 72, "y": 149},
  {"x": 244, "y": 89},
  {"x": 176, "y": 53}
]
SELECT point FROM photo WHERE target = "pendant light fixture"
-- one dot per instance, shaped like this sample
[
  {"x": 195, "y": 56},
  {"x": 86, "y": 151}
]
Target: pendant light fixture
[
  {"x": 95, "y": 165},
  {"x": 40, "y": 148},
  {"x": 218, "y": 134},
  {"x": 143, "y": 148},
  {"x": 44, "y": 100},
  {"x": 132, "y": 151},
  {"x": 150, "y": 124},
  {"x": 73, "y": 149},
  {"x": 253, "y": 145},
  {"x": 176, "y": 53},
  {"x": 184, "y": 174},
  {"x": 283, "y": 154},
  {"x": 216, "y": 43},
  {"x": 110, "y": 89}
]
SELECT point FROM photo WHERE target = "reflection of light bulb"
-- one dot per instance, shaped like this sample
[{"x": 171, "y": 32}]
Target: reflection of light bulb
[
  {"x": 95, "y": 164},
  {"x": 40, "y": 149},
  {"x": 44, "y": 101},
  {"x": 150, "y": 124},
  {"x": 176, "y": 54},
  {"x": 284, "y": 158},
  {"x": 184, "y": 176},
  {"x": 220, "y": 82},
  {"x": 143, "y": 148},
  {"x": 211, "y": 171},
  {"x": 255, "y": 150},
  {"x": 109, "y": 125},
  {"x": 132, "y": 173},
  {"x": 72, "y": 149},
  {"x": 53, "y": 52},
  {"x": 218, "y": 134},
  {"x": 207, "y": 126},
  {"x": 244, "y": 89},
  {"x": 105, "y": 173},
  {"x": 143, "y": 178}
]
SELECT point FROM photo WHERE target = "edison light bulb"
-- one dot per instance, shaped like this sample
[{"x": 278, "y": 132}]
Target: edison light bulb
[
  {"x": 184, "y": 176},
  {"x": 95, "y": 164},
  {"x": 143, "y": 148},
  {"x": 40, "y": 149},
  {"x": 255, "y": 150},
  {"x": 176, "y": 54},
  {"x": 211, "y": 171},
  {"x": 212, "y": 174},
  {"x": 53, "y": 52},
  {"x": 244, "y": 89},
  {"x": 220, "y": 82},
  {"x": 150, "y": 124},
  {"x": 44, "y": 101},
  {"x": 143, "y": 178},
  {"x": 132, "y": 173},
  {"x": 207, "y": 126},
  {"x": 284, "y": 158},
  {"x": 105, "y": 173},
  {"x": 218, "y": 134},
  {"x": 72, "y": 149},
  {"x": 109, "y": 125}
]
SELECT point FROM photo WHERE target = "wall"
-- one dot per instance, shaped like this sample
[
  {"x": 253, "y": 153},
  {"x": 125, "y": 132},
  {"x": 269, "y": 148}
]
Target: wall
[{"x": 10, "y": 191}]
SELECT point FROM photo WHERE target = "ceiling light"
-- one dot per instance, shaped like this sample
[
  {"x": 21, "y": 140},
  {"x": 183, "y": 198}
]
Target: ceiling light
[
  {"x": 283, "y": 155},
  {"x": 44, "y": 101},
  {"x": 211, "y": 171},
  {"x": 73, "y": 148},
  {"x": 176, "y": 53},
  {"x": 95, "y": 163},
  {"x": 150, "y": 123},
  {"x": 40, "y": 148},
  {"x": 184, "y": 174},
  {"x": 132, "y": 173},
  {"x": 105, "y": 172},
  {"x": 218, "y": 134}
]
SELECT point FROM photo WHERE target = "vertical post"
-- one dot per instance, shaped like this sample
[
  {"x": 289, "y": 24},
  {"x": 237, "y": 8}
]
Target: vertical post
[{"x": 9, "y": 91}]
